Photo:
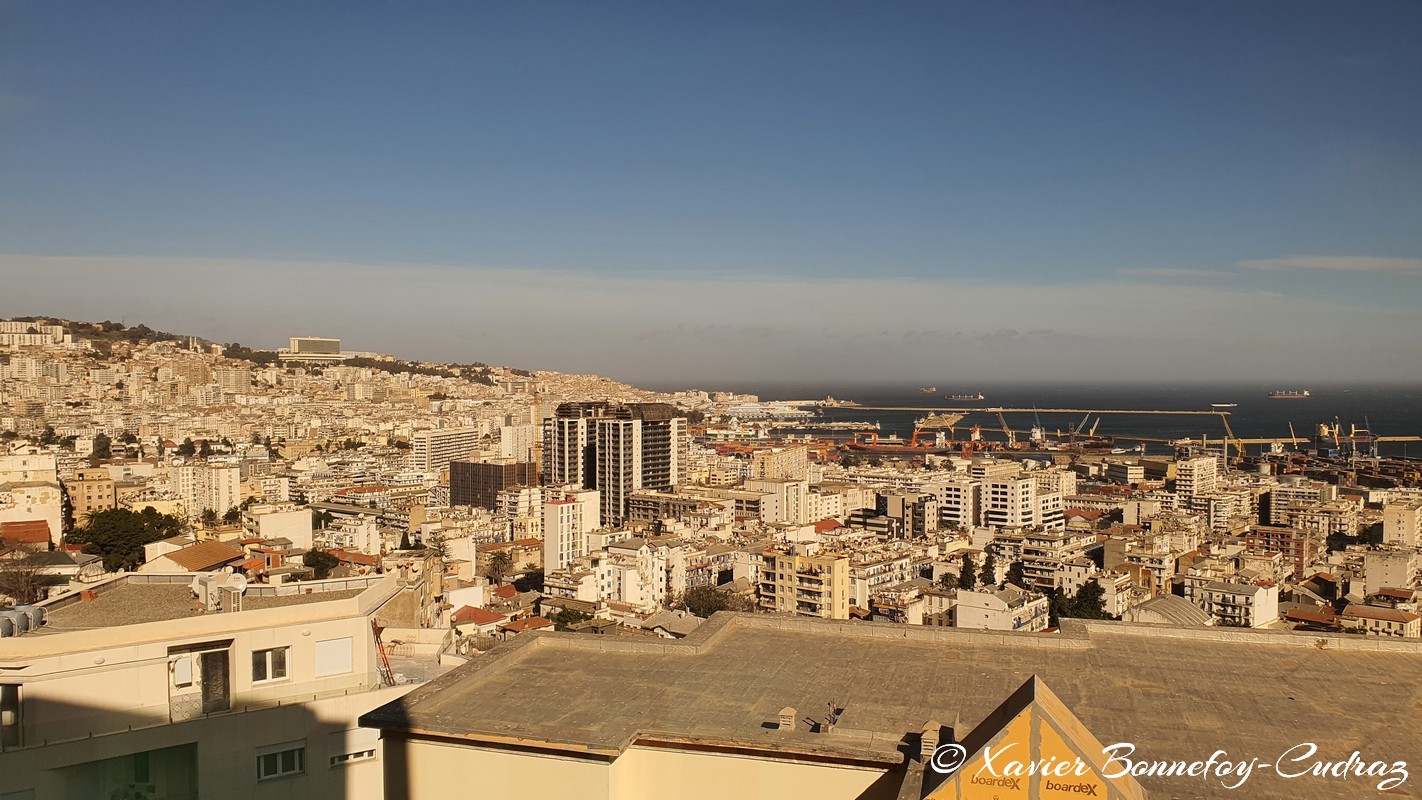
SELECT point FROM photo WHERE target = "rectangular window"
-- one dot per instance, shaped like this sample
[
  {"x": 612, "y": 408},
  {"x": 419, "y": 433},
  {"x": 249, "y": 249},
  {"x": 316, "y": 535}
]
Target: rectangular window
[
  {"x": 9, "y": 716},
  {"x": 269, "y": 665},
  {"x": 280, "y": 763}
]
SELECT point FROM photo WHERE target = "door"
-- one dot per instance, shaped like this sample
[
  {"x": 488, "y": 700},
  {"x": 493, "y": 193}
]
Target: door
[{"x": 214, "y": 681}]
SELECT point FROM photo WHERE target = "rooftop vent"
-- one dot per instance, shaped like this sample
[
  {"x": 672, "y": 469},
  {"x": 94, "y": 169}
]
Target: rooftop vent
[{"x": 787, "y": 719}]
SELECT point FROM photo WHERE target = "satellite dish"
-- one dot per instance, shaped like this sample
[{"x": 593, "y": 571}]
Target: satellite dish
[{"x": 236, "y": 582}]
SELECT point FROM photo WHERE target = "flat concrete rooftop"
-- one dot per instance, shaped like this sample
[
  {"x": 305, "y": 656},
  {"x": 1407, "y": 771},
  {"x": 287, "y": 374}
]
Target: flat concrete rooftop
[
  {"x": 1174, "y": 693},
  {"x": 137, "y": 603}
]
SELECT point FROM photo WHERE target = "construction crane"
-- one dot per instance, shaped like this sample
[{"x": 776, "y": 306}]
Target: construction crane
[
  {"x": 1293, "y": 436},
  {"x": 1094, "y": 427},
  {"x": 1230, "y": 437},
  {"x": 1011, "y": 437}
]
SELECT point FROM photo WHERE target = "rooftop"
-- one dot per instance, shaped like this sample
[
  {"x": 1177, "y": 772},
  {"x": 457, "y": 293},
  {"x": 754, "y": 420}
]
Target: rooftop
[
  {"x": 131, "y": 603},
  {"x": 1175, "y": 693}
]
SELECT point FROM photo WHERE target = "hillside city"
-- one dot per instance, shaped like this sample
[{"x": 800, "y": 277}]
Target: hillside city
[{"x": 307, "y": 534}]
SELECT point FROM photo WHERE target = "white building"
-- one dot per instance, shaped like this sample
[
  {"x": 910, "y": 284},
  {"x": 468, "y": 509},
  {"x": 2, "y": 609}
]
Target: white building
[
  {"x": 567, "y": 521},
  {"x": 209, "y": 487},
  {"x": 432, "y": 450},
  {"x": 228, "y": 705}
]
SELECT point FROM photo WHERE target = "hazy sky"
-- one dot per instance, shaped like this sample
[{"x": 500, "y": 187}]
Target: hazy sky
[{"x": 732, "y": 191}]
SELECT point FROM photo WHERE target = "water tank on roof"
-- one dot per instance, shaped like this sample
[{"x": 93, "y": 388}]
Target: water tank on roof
[
  {"x": 35, "y": 613},
  {"x": 20, "y": 622},
  {"x": 7, "y": 627}
]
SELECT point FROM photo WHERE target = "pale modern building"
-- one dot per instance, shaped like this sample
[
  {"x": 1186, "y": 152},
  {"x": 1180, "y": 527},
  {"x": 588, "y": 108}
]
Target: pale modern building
[
  {"x": 209, "y": 487},
  {"x": 1402, "y": 523},
  {"x": 432, "y": 450},
  {"x": 1018, "y": 502},
  {"x": 1196, "y": 476},
  {"x": 567, "y": 521},
  {"x": 130, "y": 692}
]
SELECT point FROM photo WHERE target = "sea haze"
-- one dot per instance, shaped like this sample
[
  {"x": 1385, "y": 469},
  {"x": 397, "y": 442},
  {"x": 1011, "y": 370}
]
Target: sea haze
[{"x": 1390, "y": 409}]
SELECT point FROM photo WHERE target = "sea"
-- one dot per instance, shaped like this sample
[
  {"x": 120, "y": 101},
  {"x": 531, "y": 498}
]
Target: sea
[{"x": 1385, "y": 409}]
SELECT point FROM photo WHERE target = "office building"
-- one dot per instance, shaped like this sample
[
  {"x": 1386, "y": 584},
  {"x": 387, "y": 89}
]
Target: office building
[{"x": 478, "y": 483}]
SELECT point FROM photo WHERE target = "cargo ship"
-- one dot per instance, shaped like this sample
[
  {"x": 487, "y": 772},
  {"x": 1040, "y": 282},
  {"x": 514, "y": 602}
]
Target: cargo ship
[
  {"x": 967, "y": 397},
  {"x": 1289, "y": 394},
  {"x": 1218, "y": 406}
]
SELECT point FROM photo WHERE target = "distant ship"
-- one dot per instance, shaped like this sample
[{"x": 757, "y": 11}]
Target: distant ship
[
  {"x": 1289, "y": 394},
  {"x": 929, "y": 389},
  {"x": 978, "y": 396},
  {"x": 1224, "y": 405}
]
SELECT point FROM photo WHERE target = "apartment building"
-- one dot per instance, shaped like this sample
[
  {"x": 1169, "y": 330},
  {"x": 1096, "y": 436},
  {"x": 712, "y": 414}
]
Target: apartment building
[
  {"x": 1008, "y": 609},
  {"x": 432, "y": 450},
  {"x": 1240, "y": 605},
  {"x": 1402, "y": 523},
  {"x": 127, "y": 691},
  {"x": 1018, "y": 503},
  {"x": 802, "y": 581},
  {"x": 209, "y": 487},
  {"x": 478, "y": 483},
  {"x": 567, "y": 521},
  {"x": 618, "y": 449}
]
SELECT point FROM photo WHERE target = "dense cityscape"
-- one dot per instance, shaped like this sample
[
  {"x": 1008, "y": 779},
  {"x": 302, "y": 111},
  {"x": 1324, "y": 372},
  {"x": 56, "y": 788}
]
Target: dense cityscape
[
  {"x": 622, "y": 400},
  {"x": 153, "y": 480}
]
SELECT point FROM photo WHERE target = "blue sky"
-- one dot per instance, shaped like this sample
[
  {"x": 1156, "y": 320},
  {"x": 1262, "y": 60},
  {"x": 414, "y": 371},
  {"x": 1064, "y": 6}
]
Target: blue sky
[{"x": 1236, "y": 185}]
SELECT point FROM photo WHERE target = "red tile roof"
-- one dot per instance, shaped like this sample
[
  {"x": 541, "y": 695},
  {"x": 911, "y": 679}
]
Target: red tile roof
[
  {"x": 30, "y": 531},
  {"x": 508, "y": 591},
  {"x": 353, "y": 557},
  {"x": 527, "y": 624},
  {"x": 204, "y": 556},
  {"x": 828, "y": 524},
  {"x": 478, "y": 616}
]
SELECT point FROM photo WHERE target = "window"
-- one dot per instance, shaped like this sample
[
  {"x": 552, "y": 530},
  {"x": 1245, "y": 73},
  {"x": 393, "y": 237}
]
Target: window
[
  {"x": 279, "y": 763},
  {"x": 9, "y": 716},
  {"x": 269, "y": 665},
  {"x": 346, "y": 758}
]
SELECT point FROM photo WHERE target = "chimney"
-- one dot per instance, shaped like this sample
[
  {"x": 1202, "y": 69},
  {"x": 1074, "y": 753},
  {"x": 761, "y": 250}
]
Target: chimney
[
  {"x": 928, "y": 741},
  {"x": 787, "y": 719}
]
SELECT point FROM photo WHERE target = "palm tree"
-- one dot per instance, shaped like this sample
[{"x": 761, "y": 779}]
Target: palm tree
[{"x": 499, "y": 565}]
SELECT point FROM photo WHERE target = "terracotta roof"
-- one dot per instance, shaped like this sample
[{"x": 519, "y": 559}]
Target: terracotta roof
[
  {"x": 1385, "y": 614},
  {"x": 1400, "y": 594},
  {"x": 1322, "y": 616},
  {"x": 30, "y": 531},
  {"x": 478, "y": 616},
  {"x": 527, "y": 624},
  {"x": 826, "y": 525},
  {"x": 204, "y": 556},
  {"x": 508, "y": 591},
  {"x": 353, "y": 557}
]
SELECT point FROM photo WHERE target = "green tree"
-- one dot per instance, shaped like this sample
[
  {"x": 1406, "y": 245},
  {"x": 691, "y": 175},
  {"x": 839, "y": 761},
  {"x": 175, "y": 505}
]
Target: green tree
[
  {"x": 206, "y": 450},
  {"x": 256, "y": 438},
  {"x": 703, "y": 601},
  {"x": 498, "y": 566},
  {"x": 1015, "y": 576},
  {"x": 1090, "y": 602},
  {"x": 47, "y": 436},
  {"x": 209, "y": 517},
  {"x": 967, "y": 576},
  {"x": 565, "y": 618},
  {"x": 232, "y": 515},
  {"x": 103, "y": 447},
  {"x": 988, "y": 576},
  {"x": 187, "y": 448},
  {"x": 321, "y": 562},
  {"x": 117, "y": 535},
  {"x": 405, "y": 541}
]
